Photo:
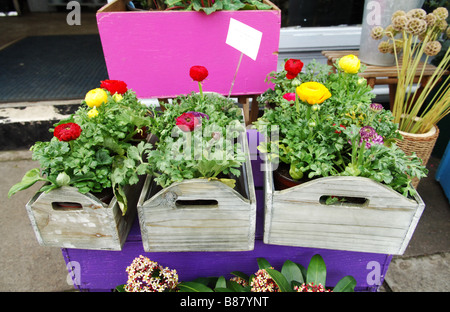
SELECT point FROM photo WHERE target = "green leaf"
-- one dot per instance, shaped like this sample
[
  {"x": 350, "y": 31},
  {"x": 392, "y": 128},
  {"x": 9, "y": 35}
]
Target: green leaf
[
  {"x": 120, "y": 288},
  {"x": 346, "y": 284},
  {"x": 193, "y": 287},
  {"x": 236, "y": 287},
  {"x": 280, "y": 280},
  {"x": 221, "y": 282},
  {"x": 31, "y": 177},
  {"x": 241, "y": 275},
  {"x": 263, "y": 263},
  {"x": 317, "y": 271},
  {"x": 291, "y": 272}
]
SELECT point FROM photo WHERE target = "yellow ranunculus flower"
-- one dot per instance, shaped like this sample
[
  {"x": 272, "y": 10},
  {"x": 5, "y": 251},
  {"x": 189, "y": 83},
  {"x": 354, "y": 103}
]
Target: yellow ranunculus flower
[
  {"x": 312, "y": 92},
  {"x": 96, "y": 97},
  {"x": 92, "y": 112},
  {"x": 350, "y": 64}
]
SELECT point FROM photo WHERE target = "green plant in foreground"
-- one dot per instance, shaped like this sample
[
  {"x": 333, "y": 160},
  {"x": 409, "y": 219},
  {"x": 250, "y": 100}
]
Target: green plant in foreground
[{"x": 293, "y": 277}]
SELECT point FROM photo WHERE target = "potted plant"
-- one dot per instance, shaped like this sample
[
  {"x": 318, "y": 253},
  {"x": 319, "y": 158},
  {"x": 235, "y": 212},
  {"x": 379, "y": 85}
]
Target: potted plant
[
  {"x": 200, "y": 174},
  {"x": 152, "y": 49},
  {"x": 90, "y": 163},
  {"x": 415, "y": 38},
  {"x": 338, "y": 143}
]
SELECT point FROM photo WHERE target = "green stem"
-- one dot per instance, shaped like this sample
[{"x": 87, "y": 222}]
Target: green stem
[{"x": 200, "y": 88}]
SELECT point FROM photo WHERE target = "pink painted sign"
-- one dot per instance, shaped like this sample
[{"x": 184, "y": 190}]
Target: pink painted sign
[{"x": 153, "y": 51}]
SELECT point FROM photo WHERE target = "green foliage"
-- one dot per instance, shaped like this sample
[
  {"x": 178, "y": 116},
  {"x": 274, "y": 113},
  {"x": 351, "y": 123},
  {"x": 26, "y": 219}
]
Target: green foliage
[
  {"x": 107, "y": 154},
  {"x": 206, "y": 152},
  {"x": 291, "y": 275},
  {"x": 206, "y": 6},
  {"x": 323, "y": 140}
]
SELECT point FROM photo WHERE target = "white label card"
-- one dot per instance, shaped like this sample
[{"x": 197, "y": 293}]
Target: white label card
[{"x": 244, "y": 38}]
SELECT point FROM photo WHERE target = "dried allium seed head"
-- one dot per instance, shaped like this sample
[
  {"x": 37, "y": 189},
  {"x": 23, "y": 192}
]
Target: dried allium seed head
[
  {"x": 399, "y": 23},
  {"x": 397, "y": 14},
  {"x": 433, "y": 48},
  {"x": 416, "y": 13},
  {"x": 416, "y": 26},
  {"x": 398, "y": 46},
  {"x": 441, "y": 13},
  {"x": 377, "y": 33},
  {"x": 442, "y": 25},
  {"x": 390, "y": 31},
  {"x": 448, "y": 32},
  {"x": 384, "y": 47},
  {"x": 431, "y": 19}
]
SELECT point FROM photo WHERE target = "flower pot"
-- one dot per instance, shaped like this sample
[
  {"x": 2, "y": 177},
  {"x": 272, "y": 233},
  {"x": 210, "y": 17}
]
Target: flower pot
[
  {"x": 378, "y": 220},
  {"x": 153, "y": 50},
  {"x": 200, "y": 214},
  {"x": 378, "y": 13},
  {"x": 66, "y": 218},
  {"x": 421, "y": 144}
]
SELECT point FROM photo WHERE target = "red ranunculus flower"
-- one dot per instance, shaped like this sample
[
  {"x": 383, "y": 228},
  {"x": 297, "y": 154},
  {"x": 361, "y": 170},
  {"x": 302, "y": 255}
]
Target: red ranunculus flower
[
  {"x": 198, "y": 73},
  {"x": 67, "y": 132},
  {"x": 114, "y": 86},
  {"x": 188, "y": 122},
  {"x": 293, "y": 68}
]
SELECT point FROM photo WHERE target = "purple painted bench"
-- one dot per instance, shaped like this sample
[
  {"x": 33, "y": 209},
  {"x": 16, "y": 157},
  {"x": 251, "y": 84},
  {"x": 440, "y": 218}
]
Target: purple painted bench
[{"x": 104, "y": 270}]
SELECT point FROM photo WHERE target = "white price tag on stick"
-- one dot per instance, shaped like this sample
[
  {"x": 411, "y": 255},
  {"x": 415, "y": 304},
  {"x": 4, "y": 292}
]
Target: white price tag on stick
[{"x": 244, "y": 38}]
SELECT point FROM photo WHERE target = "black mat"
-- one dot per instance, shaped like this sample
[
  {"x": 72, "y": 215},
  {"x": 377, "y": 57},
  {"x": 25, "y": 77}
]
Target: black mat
[{"x": 42, "y": 68}]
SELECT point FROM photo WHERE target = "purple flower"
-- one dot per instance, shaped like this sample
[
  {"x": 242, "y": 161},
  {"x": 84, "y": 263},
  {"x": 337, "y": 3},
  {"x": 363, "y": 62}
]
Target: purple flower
[
  {"x": 367, "y": 132},
  {"x": 375, "y": 107},
  {"x": 370, "y": 136},
  {"x": 199, "y": 115}
]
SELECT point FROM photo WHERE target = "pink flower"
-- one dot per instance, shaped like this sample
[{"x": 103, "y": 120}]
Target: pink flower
[{"x": 289, "y": 96}]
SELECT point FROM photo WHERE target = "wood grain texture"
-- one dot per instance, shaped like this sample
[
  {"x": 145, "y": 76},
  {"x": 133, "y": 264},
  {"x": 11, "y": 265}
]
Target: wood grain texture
[
  {"x": 94, "y": 225},
  {"x": 296, "y": 216}
]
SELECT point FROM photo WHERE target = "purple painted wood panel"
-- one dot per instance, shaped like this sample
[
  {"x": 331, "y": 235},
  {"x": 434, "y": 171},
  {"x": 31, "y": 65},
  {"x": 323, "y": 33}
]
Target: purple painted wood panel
[
  {"x": 153, "y": 51},
  {"x": 103, "y": 270}
]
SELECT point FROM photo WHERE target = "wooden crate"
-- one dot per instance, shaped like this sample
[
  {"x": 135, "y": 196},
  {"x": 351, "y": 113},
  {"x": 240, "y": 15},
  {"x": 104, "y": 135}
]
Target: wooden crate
[
  {"x": 66, "y": 218},
  {"x": 198, "y": 214},
  {"x": 297, "y": 216}
]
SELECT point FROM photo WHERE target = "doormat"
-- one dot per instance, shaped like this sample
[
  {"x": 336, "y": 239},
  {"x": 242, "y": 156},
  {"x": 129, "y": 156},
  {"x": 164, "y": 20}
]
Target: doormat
[{"x": 42, "y": 68}]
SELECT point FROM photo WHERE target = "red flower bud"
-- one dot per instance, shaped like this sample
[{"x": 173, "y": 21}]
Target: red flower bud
[
  {"x": 293, "y": 68},
  {"x": 198, "y": 73},
  {"x": 67, "y": 132},
  {"x": 114, "y": 86}
]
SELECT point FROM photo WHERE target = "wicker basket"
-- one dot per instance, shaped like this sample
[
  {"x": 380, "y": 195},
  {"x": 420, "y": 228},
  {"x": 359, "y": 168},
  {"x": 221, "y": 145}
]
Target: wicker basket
[{"x": 421, "y": 144}]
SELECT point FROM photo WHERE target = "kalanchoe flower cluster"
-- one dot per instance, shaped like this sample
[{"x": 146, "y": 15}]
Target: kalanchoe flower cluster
[
  {"x": 239, "y": 280},
  {"x": 311, "y": 288},
  {"x": 262, "y": 282},
  {"x": 145, "y": 275}
]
